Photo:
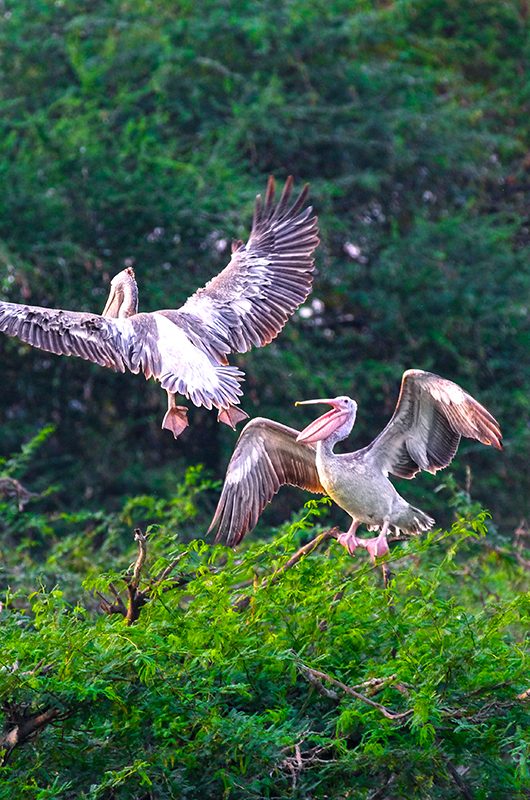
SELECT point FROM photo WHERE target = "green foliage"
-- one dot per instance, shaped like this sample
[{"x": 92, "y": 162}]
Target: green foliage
[
  {"x": 140, "y": 132},
  {"x": 205, "y": 696}
]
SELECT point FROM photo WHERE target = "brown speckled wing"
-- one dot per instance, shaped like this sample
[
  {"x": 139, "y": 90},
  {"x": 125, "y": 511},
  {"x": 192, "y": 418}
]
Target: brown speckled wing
[
  {"x": 431, "y": 416},
  {"x": 267, "y": 456},
  {"x": 250, "y": 301},
  {"x": 69, "y": 333}
]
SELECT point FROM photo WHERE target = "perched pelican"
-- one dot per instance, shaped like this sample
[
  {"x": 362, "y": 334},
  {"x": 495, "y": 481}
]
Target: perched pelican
[
  {"x": 185, "y": 349},
  {"x": 424, "y": 433}
]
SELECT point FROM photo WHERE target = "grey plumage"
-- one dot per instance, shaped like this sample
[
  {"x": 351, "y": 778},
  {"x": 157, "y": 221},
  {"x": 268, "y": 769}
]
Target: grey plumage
[
  {"x": 267, "y": 456},
  {"x": 430, "y": 417}
]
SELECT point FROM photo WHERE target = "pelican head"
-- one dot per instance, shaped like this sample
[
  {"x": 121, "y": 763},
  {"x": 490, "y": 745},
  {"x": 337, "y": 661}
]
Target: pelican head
[
  {"x": 123, "y": 296},
  {"x": 335, "y": 424}
]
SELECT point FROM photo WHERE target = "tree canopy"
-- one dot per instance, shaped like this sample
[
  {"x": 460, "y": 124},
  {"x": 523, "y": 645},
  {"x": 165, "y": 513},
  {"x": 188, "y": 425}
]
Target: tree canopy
[{"x": 139, "y": 133}]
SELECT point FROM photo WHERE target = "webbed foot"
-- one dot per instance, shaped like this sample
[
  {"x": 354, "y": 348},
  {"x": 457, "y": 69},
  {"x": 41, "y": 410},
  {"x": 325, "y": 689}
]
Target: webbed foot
[
  {"x": 349, "y": 540},
  {"x": 176, "y": 420},
  {"x": 378, "y": 545},
  {"x": 231, "y": 416}
]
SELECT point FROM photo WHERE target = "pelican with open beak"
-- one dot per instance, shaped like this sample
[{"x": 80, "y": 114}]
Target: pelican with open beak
[{"x": 431, "y": 416}]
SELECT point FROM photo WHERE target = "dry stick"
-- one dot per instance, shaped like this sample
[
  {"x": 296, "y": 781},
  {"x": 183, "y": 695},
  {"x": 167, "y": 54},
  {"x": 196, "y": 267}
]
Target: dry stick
[
  {"x": 243, "y": 602},
  {"x": 316, "y": 674},
  {"x": 24, "y": 729},
  {"x": 137, "y": 598},
  {"x": 10, "y": 487}
]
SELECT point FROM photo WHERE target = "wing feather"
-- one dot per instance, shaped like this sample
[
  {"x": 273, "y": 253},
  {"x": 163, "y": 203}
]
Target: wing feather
[
  {"x": 70, "y": 333},
  {"x": 267, "y": 456},
  {"x": 431, "y": 416},
  {"x": 250, "y": 301}
]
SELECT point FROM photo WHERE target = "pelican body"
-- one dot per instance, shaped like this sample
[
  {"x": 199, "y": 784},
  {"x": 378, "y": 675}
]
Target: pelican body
[
  {"x": 186, "y": 349},
  {"x": 430, "y": 417}
]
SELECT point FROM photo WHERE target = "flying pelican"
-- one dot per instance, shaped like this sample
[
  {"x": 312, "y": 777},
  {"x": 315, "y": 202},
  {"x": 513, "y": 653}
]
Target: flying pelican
[
  {"x": 424, "y": 433},
  {"x": 245, "y": 305}
]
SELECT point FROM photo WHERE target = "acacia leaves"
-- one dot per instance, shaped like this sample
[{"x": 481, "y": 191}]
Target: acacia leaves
[{"x": 324, "y": 682}]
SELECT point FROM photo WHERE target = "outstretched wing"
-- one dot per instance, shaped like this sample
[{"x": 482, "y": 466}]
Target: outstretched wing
[
  {"x": 430, "y": 417},
  {"x": 266, "y": 457},
  {"x": 250, "y": 301},
  {"x": 70, "y": 333},
  {"x": 144, "y": 342}
]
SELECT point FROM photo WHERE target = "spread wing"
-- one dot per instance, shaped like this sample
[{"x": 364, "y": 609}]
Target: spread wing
[
  {"x": 266, "y": 457},
  {"x": 424, "y": 433},
  {"x": 250, "y": 301},
  {"x": 144, "y": 342},
  {"x": 70, "y": 333}
]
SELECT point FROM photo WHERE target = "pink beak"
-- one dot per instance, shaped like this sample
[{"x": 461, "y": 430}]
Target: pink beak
[{"x": 324, "y": 426}]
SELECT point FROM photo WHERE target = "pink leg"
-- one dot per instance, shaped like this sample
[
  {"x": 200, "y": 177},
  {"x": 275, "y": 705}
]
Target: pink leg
[
  {"x": 378, "y": 545},
  {"x": 176, "y": 419},
  {"x": 349, "y": 540}
]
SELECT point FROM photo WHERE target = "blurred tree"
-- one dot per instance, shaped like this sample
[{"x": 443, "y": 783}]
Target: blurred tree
[{"x": 139, "y": 132}]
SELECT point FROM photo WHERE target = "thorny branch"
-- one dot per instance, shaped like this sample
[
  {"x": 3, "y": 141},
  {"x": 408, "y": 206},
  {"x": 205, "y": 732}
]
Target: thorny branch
[
  {"x": 136, "y": 597},
  {"x": 314, "y": 675},
  {"x": 476, "y": 715}
]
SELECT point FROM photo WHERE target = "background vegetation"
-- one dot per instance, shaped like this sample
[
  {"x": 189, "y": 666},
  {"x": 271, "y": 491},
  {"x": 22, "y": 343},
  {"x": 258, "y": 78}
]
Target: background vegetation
[{"x": 139, "y": 133}]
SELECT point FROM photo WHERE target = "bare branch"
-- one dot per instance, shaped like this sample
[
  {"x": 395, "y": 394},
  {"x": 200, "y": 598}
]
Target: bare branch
[
  {"x": 136, "y": 597},
  {"x": 323, "y": 676},
  {"x": 9, "y": 487},
  {"x": 24, "y": 730}
]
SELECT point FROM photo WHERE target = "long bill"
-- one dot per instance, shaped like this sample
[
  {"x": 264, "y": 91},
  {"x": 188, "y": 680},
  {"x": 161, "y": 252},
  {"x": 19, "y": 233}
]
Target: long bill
[
  {"x": 113, "y": 304},
  {"x": 326, "y": 425}
]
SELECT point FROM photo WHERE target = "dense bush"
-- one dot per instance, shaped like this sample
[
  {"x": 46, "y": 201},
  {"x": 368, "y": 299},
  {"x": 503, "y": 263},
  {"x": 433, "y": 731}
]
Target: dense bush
[{"x": 284, "y": 669}]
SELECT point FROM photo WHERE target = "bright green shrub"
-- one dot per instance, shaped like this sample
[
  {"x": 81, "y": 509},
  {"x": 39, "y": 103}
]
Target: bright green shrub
[{"x": 200, "y": 700}]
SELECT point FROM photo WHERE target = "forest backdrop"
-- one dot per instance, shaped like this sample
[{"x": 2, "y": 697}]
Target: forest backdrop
[{"x": 138, "y": 132}]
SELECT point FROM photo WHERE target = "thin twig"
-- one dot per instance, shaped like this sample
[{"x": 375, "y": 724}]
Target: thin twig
[
  {"x": 170, "y": 567},
  {"x": 348, "y": 690}
]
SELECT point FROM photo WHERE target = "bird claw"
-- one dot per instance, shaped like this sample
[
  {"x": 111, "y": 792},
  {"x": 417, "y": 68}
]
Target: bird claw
[
  {"x": 377, "y": 546},
  {"x": 349, "y": 541}
]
